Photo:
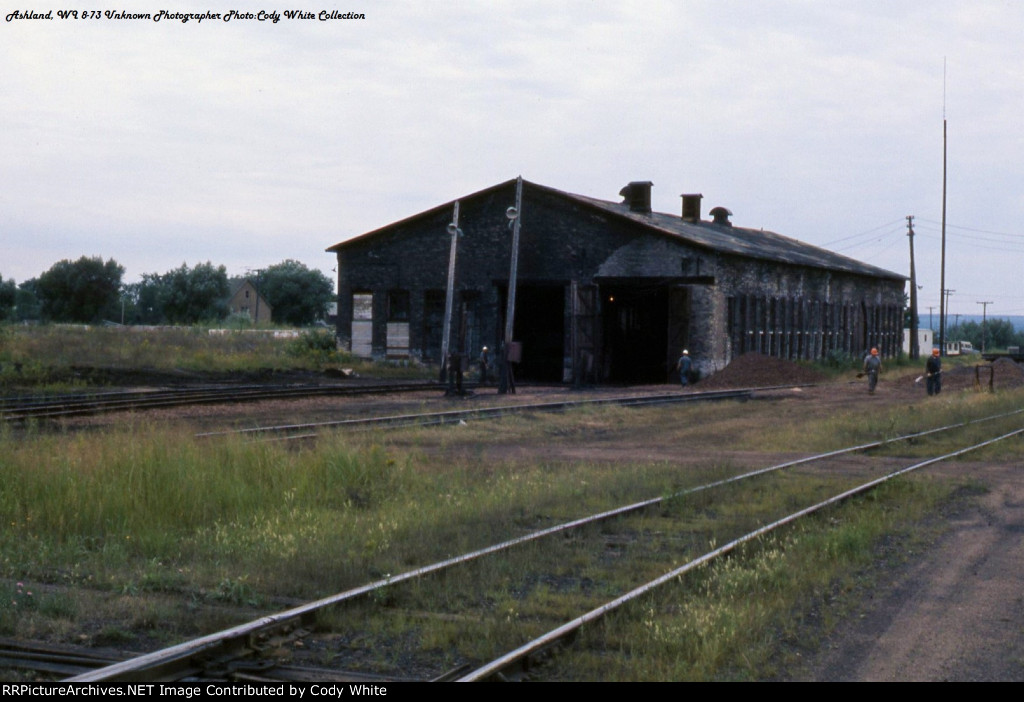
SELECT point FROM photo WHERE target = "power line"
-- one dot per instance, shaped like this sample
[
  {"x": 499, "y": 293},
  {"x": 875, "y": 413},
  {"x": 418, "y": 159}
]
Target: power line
[
  {"x": 898, "y": 223},
  {"x": 975, "y": 241},
  {"x": 971, "y": 229}
]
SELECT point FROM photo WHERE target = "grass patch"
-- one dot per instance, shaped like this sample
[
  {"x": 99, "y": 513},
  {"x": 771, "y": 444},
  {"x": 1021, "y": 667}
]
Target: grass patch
[
  {"x": 61, "y": 358},
  {"x": 752, "y": 615}
]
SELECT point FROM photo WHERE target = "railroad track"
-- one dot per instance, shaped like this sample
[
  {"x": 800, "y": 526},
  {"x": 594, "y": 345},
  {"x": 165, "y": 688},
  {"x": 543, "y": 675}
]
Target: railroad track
[
  {"x": 54, "y": 659},
  {"x": 20, "y": 410},
  {"x": 65, "y": 660},
  {"x": 496, "y": 595},
  {"x": 311, "y": 429}
]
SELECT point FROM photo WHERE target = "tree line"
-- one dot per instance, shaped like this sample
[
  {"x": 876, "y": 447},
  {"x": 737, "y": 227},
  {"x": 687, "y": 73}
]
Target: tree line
[
  {"x": 996, "y": 333},
  {"x": 90, "y": 290}
]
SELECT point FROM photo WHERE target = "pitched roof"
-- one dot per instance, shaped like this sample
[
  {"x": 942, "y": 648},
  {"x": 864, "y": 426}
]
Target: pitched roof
[
  {"x": 739, "y": 241},
  {"x": 721, "y": 238}
]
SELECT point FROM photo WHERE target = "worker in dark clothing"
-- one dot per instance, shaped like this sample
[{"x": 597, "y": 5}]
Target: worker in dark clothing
[
  {"x": 455, "y": 375},
  {"x": 683, "y": 366},
  {"x": 872, "y": 366},
  {"x": 933, "y": 372},
  {"x": 485, "y": 364}
]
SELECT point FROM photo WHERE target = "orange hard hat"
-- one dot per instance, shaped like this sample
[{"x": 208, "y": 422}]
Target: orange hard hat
[
  {"x": 935, "y": 352},
  {"x": 874, "y": 352}
]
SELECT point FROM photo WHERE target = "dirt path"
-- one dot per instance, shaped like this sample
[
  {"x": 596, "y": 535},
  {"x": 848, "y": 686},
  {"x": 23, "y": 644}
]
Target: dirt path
[{"x": 958, "y": 613}]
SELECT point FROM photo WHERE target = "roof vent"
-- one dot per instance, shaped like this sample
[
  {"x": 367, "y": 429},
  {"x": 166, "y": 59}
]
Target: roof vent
[
  {"x": 638, "y": 196},
  {"x": 721, "y": 216},
  {"x": 691, "y": 207}
]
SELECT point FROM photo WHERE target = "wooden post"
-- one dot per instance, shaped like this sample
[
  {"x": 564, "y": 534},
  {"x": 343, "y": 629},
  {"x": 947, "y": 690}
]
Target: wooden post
[
  {"x": 450, "y": 294},
  {"x": 505, "y": 383}
]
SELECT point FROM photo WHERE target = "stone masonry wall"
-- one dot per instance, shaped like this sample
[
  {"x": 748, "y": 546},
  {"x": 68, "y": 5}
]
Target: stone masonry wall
[{"x": 731, "y": 299}]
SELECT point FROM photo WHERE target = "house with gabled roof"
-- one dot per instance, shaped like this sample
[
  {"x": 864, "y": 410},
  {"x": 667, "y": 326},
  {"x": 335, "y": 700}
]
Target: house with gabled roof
[
  {"x": 245, "y": 299},
  {"x": 607, "y": 291}
]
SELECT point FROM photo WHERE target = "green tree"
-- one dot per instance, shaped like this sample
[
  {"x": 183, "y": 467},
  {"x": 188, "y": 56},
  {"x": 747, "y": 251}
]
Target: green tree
[
  {"x": 968, "y": 331},
  {"x": 195, "y": 294},
  {"x": 85, "y": 290},
  {"x": 8, "y": 297},
  {"x": 298, "y": 295},
  {"x": 146, "y": 299},
  {"x": 26, "y": 304},
  {"x": 997, "y": 334}
]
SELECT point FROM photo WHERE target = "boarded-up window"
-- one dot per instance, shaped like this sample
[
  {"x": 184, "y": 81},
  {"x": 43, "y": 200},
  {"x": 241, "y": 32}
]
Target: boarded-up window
[
  {"x": 398, "y": 339},
  {"x": 362, "y": 324}
]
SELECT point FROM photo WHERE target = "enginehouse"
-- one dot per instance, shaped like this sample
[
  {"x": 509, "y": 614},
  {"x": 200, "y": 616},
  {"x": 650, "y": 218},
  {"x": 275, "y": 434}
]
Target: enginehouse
[{"x": 606, "y": 291}]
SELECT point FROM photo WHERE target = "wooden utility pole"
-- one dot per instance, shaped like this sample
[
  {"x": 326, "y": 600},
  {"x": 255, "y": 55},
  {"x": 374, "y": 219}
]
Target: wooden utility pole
[
  {"x": 258, "y": 272},
  {"x": 515, "y": 214},
  {"x": 453, "y": 229},
  {"x": 945, "y": 299},
  {"x": 915, "y": 347},
  {"x": 984, "y": 322}
]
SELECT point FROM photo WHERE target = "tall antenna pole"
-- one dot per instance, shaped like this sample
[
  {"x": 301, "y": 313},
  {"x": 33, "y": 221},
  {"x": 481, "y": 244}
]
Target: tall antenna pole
[{"x": 942, "y": 277}]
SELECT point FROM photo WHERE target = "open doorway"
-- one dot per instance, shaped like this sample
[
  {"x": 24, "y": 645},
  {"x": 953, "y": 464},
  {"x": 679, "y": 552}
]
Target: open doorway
[
  {"x": 540, "y": 328},
  {"x": 636, "y": 338}
]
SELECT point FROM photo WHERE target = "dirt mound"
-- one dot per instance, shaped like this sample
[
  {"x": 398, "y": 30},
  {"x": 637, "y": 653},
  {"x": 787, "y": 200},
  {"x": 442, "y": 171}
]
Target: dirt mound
[{"x": 757, "y": 370}]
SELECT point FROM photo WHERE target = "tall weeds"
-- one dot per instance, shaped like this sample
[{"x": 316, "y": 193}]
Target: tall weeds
[{"x": 299, "y": 522}]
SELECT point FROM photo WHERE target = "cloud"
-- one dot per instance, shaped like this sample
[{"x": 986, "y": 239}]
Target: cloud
[{"x": 246, "y": 143}]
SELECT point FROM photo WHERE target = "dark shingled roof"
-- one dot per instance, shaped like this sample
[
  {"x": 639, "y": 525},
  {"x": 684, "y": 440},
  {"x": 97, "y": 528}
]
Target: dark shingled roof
[
  {"x": 739, "y": 241},
  {"x": 721, "y": 238}
]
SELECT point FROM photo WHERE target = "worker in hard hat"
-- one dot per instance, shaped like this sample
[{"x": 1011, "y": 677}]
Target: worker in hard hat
[
  {"x": 684, "y": 365},
  {"x": 933, "y": 372},
  {"x": 872, "y": 366},
  {"x": 485, "y": 364}
]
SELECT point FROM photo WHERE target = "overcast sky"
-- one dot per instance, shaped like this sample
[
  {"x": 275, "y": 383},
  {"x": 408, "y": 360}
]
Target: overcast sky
[{"x": 245, "y": 143}]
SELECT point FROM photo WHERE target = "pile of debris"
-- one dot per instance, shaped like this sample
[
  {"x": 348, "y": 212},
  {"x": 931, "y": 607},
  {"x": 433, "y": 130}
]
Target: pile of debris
[{"x": 757, "y": 370}]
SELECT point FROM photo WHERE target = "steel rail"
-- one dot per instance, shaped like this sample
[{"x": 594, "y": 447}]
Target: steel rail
[
  {"x": 115, "y": 402},
  {"x": 165, "y": 659},
  {"x": 60, "y": 400},
  {"x": 52, "y": 658},
  {"x": 454, "y": 416},
  {"x": 229, "y": 391},
  {"x": 514, "y": 658},
  {"x": 117, "y": 398}
]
